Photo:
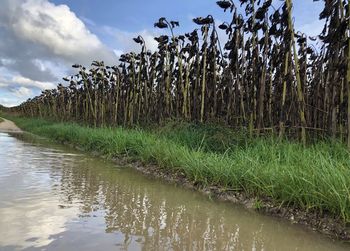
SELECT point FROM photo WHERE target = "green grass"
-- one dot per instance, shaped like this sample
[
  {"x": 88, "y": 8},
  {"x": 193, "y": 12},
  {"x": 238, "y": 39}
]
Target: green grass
[
  {"x": 208, "y": 138},
  {"x": 316, "y": 177},
  {"x": 1, "y": 120}
]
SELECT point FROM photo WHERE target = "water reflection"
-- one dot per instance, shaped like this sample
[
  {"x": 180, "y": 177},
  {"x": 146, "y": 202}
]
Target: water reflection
[{"x": 54, "y": 199}]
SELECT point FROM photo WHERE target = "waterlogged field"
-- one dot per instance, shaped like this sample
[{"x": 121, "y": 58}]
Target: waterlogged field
[
  {"x": 54, "y": 198},
  {"x": 314, "y": 178}
]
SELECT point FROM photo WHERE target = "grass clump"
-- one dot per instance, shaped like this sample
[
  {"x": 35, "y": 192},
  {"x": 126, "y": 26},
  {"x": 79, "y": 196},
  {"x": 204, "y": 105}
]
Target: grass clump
[{"x": 315, "y": 178}]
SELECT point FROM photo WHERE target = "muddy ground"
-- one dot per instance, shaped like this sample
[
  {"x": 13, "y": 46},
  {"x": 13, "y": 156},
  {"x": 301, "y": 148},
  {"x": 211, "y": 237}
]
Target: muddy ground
[{"x": 8, "y": 126}]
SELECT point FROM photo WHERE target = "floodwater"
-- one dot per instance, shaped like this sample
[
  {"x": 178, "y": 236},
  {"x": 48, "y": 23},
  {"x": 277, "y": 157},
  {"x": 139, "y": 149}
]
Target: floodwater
[{"x": 54, "y": 198}]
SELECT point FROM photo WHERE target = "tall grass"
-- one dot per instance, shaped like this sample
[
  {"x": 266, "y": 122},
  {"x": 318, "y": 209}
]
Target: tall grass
[{"x": 316, "y": 177}]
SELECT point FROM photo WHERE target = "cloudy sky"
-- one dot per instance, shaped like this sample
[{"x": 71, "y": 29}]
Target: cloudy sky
[{"x": 41, "y": 39}]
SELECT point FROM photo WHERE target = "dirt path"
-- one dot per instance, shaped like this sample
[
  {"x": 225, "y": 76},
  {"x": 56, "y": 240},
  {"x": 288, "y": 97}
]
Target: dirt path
[{"x": 8, "y": 126}]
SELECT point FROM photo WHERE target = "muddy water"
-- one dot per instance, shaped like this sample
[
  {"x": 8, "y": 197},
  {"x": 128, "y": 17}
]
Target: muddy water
[{"x": 53, "y": 198}]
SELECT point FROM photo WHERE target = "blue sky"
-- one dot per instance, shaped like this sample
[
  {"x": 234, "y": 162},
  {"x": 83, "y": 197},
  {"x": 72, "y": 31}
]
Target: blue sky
[
  {"x": 138, "y": 15},
  {"x": 42, "y": 38},
  {"x": 134, "y": 15}
]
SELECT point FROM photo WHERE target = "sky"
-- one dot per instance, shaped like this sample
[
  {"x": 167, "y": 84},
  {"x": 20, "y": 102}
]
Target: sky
[{"x": 41, "y": 39}]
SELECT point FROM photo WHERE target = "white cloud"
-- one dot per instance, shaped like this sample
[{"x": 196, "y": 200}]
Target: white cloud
[
  {"x": 57, "y": 28},
  {"x": 31, "y": 83},
  {"x": 8, "y": 102},
  {"x": 118, "y": 53},
  {"x": 39, "y": 43},
  {"x": 16, "y": 89},
  {"x": 6, "y": 61},
  {"x": 124, "y": 39},
  {"x": 22, "y": 92},
  {"x": 312, "y": 29}
]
